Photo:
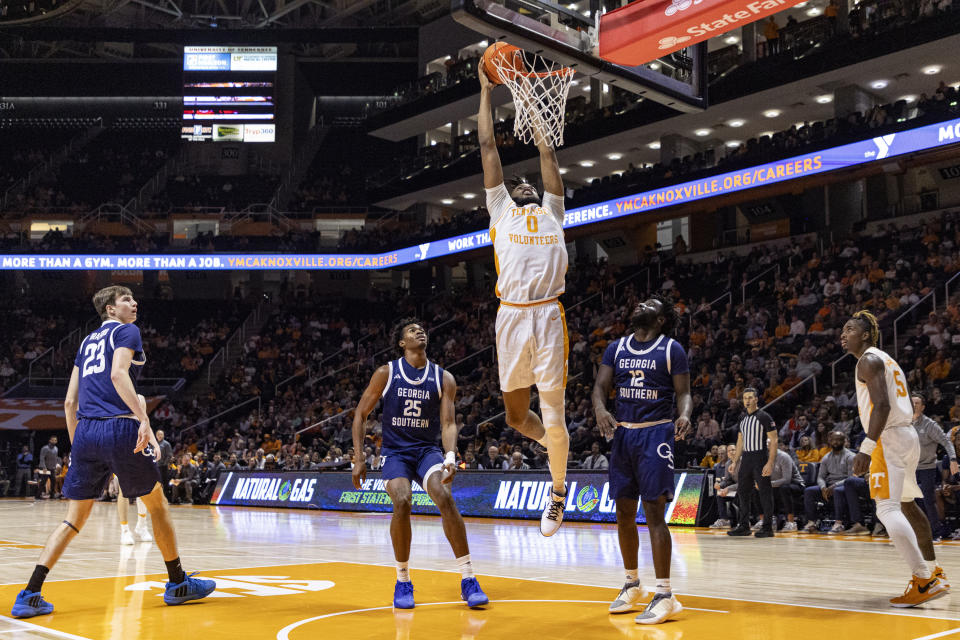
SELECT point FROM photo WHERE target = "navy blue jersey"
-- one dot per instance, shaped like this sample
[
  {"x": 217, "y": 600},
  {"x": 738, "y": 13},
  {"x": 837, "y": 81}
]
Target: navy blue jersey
[
  {"x": 411, "y": 406},
  {"x": 643, "y": 377},
  {"x": 98, "y": 396}
]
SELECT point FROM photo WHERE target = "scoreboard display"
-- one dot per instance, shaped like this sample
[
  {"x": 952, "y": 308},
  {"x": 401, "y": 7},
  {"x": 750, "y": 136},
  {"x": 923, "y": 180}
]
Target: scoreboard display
[{"x": 228, "y": 94}]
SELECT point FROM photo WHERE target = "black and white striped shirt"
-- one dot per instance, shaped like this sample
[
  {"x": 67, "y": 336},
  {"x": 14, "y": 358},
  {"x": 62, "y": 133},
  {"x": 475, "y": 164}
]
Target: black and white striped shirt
[{"x": 754, "y": 428}]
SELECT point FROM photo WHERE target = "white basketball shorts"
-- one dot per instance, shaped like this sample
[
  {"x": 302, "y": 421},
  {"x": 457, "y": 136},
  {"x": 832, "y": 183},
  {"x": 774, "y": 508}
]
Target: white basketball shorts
[
  {"x": 893, "y": 465},
  {"x": 532, "y": 346}
]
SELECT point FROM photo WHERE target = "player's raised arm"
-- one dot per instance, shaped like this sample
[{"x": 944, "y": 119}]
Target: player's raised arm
[
  {"x": 72, "y": 401},
  {"x": 550, "y": 170},
  {"x": 369, "y": 399},
  {"x": 871, "y": 371},
  {"x": 601, "y": 391},
  {"x": 448, "y": 421},
  {"x": 489, "y": 156}
]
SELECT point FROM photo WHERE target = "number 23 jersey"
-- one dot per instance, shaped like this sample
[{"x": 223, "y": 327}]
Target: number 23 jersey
[
  {"x": 529, "y": 248},
  {"x": 98, "y": 398}
]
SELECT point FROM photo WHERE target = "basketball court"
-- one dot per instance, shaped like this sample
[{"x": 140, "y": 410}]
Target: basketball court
[{"x": 295, "y": 574}]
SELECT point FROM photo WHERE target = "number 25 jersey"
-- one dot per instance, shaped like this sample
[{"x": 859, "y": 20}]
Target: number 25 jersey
[
  {"x": 97, "y": 395},
  {"x": 411, "y": 406},
  {"x": 529, "y": 249}
]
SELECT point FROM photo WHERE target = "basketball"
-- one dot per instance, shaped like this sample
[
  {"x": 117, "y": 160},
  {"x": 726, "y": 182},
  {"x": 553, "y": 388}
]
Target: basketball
[{"x": 510, "y": 58}]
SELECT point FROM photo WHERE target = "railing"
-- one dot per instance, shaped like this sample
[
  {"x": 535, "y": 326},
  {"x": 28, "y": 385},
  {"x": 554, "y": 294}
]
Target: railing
[
  {"x": 471, "y": 356},
  {"x": 36, "y": 360},
  {"x": 946, "y": 288},
  {"x": 645, "y": 270},
  {"x": 225, "y": 412},
  {"x": 121, "y": 213},
  {"x": 743, "y": 287},
  {"x": 812, "y": 377},
  {"x": 833, "y": 368},
  {"x": 728, "y": 294},
  {"x": 325, "y": 420},
  {"x": 218, "y": 363},
  {"x": 533, "y": 394},
  {"x": 910, "y": 311},
  {"x": 154, "y": 185},
  {"x": 587, "y": 299}
]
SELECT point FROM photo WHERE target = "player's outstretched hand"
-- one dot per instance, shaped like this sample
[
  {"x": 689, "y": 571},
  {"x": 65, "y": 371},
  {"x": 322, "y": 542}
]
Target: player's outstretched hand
[
  {"x": 861, "y": 464},
  {"x": 359, "y": 473},
  {"x": 683, "y": 427},
  {"x": 485, "y": 84},
  {"x": 606, "y": 422},
  {"x": 146, "y": 438}
]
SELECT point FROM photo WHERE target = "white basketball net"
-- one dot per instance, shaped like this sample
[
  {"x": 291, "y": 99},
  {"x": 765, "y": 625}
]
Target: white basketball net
[{"x": 539, "y": 96}]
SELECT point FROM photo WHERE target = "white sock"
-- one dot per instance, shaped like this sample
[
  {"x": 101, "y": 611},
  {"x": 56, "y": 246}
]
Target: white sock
[
  {"x": 663, "y": 585},
  {"x": 902, "y": 536},
  {"x": 632, "y": 575},
  {"x": 403, "y": 573},
  {"x": 141, "y": 521},
  {"x": 141, "y": 509},
  {"x": 124, "y": 528},
  {"x": 465, "y": 566}
]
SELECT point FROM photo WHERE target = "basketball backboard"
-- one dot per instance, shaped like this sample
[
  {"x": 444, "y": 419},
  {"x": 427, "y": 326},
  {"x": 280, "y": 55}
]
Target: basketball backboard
[{"x": 568, "y": 37}]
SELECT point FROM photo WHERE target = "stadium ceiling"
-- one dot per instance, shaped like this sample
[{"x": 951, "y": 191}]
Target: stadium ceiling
[{"x": 109, "y": 28}]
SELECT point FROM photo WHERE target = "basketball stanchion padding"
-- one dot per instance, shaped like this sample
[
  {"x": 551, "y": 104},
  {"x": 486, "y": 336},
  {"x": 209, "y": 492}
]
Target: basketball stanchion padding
[{"x": 539, "y": 88}]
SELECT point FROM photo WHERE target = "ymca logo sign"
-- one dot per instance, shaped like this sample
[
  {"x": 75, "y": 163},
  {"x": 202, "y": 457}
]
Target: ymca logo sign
[{"x": 243, "y": 586}]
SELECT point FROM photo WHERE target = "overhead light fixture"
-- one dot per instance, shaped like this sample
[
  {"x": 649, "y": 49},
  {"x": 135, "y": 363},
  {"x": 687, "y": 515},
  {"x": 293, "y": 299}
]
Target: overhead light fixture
[
  {"x": 563, "y": 170},
  {"x": 574, "y": 83},
  {"x": 466, "y": 132},
  {"x": 769, "y": 134},
  {"x": 824, "y": 99},
  {"x": 654, "y": 145},
  {"x": 879, "y": 84},
  {"x": 731, "y": 39},
  {"x": 589, "y": 180},
  {"x": 587, "y": 163},
  {"x": 655, "y": 66},
  {"x": 433, "y": 143},
  {"x": 702, "y": 132},
  {"x": 909, "y": 98},
  {"x": 614, "y": 156},
  {"x": 932, "y": 70},
  {"x": 733, "y": 144},
  {"x": 771, "y": 113},
  {"x": 446, "y": 201},
  {"x": 813, "y": 11},
  {"x": 736, "y": 124},
  {"x": 469, "y": 196},
  {"x": 586, "y": 88},
  {"x": 606, "y": 88}
]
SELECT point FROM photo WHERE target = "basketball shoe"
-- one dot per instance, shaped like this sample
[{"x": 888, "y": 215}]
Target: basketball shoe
[
  {"x": 125, "y": 536},
  {"x": 403, "y": 595},
  {"x": 29, "y": 604},
  {"x": 942, "y": 577},
  {"x": 661, "y": 608},
  {"x": 631, "y": 595},
  {"x": 143, "y": 533},
  {"x": 472, "y": 594},
  {"x": 552, "y": 516},
  {"x": 918, "y": 591},
  {"x": 190, "y": 589}
]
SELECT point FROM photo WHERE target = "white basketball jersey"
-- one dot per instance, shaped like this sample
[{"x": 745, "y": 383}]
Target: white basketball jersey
[
  {"x": 901, "y": 409},
  {"x": 528, "y": 245}
]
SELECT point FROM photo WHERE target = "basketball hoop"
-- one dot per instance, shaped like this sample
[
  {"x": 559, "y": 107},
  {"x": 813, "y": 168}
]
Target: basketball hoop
[{"x": 539, "y": 88}]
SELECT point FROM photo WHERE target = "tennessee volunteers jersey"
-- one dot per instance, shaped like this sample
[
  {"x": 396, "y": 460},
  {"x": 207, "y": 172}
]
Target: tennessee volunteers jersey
[
  {"x": 901, "y": 409},
  {"x": 528, "y": 245}
]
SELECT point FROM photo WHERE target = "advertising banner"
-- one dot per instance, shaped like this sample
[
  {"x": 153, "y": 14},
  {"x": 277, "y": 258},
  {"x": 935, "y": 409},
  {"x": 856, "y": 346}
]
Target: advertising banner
[
  {"x": 517, "y": 495},
  {"x": 849, "y": 155}
]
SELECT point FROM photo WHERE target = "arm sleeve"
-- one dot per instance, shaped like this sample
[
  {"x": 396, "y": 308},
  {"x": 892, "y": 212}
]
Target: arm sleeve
[
  {"x": 766, "y": 422},
  {"x": 554, "y": 204},
  {"x": 678, "y": 359},
  {"x": 781, "y": 473},
  {"x": 610, "y": 354},
  {"x": 128, "y": 336},
  {"x": 498, "y": 201}
]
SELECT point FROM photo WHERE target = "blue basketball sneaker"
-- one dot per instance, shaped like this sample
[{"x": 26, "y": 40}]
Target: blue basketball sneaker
[
  {"x": 190, "y": 589},
  {"x": 403, "y": 595},
  {"x": 29, "y": 604},
  {"x": 472, "y": 594}
]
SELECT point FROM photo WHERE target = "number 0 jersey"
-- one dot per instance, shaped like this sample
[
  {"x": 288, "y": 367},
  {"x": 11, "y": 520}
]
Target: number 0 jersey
[
  {"x": 901, "y": 408},
  {"x": 411, "y": 406},
  {"x": 643, "y": 377},
  {"x": 528, "y": 245},
  {"x": 98, "y": 397}
]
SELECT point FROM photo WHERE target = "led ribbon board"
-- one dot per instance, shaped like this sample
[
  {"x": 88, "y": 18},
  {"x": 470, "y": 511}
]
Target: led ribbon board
[{"x": 849, "y": 155}]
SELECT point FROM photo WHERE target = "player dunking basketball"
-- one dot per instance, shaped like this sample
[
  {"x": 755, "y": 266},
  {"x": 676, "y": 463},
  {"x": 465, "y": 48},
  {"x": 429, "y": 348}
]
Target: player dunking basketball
[
  {"x": 891, "y": 452},
  {"x": 649, "y": 369},
  {"x": 110, "y": 432},
  {"x": 531, "y": 261},
  {"x": 418, "y": 410}
]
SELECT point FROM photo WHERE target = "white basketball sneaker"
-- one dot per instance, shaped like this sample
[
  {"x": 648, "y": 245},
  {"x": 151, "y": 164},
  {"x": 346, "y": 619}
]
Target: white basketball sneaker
[
  {"x": 630, "y": 596},
  {"x": 125, "y": 536},
  {"x": 552, "y": 516},
  {"x": 662, "y": 607},
  {"x": 143, "y": 533}
]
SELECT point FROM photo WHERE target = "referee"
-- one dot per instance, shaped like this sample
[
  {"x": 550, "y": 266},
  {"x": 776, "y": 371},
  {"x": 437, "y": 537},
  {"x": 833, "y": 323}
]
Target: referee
[{"x": 755, "y": 429}]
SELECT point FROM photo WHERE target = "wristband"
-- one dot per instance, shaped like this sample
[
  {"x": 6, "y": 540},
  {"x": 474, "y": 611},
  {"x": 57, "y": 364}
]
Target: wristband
[
  {"x": 867, "y": 446},
  {"x": 451, "y": 459}
]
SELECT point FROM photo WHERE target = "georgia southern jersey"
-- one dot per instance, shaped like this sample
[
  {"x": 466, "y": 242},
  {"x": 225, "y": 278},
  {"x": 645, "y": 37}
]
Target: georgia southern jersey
[
  {"x": 411, "y": 405},
  {"x": 643, "y": 377},
  {"x": 98, "y": 398}
]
